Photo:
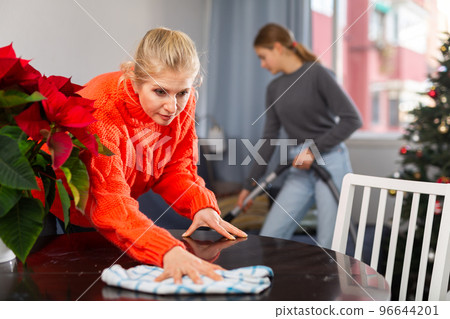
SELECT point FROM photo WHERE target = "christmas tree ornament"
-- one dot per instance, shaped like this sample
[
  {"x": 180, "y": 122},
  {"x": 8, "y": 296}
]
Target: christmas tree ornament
[
  {"x": 419, "y": 153},
  {"x": 443, "y": 127},
  {"x": 417, "y": 175},
  {"x": 438, "y": 207},
  {"x": 415, "y": 137},
  {"x": 444, "y": 49},
  {"x": 431, "y": 256},
  {"x": 392, "y": 192},
  {"x": 404, "y": 149},
  {"x": 443, "y": 99},
  {"x": 432, "y": 93},
  {"x": 396, "y": 174},
  {"x": 443, "y": 179},
  {"x": 448, "y": 120}
]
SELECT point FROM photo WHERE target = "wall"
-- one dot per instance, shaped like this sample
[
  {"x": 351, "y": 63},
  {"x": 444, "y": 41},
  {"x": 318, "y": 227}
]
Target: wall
[
  {"x": 85, "y": 38},
  {"x": 322, "y": 37}
]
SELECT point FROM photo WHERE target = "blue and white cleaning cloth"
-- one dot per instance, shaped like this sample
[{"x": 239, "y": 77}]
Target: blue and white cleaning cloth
[{"x": 246, "y": 280}]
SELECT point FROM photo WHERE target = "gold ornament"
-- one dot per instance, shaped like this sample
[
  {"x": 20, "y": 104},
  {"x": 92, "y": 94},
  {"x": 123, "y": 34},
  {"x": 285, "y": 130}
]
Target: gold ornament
[
  {"x": 417, "y": 175},
  {"x": 443, "y": 128},
  {"x": 392, "y": 192}
]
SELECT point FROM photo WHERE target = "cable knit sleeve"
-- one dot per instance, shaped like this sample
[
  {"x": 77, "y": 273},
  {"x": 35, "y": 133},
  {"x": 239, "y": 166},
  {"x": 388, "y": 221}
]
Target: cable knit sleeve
[
  {"x": 180, "y": 184},
  {"x": 116, "y": 214}
]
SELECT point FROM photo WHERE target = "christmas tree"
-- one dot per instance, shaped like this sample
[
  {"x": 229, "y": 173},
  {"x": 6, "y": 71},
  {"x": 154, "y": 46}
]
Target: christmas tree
[{"x": 426, "y": 157}]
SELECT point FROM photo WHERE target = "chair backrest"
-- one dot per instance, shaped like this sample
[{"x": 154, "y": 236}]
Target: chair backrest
[{"x": 440, "y": 272}]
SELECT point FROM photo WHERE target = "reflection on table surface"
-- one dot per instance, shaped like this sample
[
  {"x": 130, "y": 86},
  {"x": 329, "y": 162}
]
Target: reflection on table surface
[{"x": 68, "y": 267}]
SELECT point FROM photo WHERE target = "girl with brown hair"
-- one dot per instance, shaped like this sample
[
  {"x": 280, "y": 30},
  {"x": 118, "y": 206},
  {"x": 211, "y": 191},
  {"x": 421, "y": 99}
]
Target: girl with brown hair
[{"x": 314, "y": 110}]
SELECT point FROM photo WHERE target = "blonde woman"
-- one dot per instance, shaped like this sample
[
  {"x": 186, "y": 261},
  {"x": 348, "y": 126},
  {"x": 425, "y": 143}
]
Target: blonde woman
[{"x": 145, "y": 117}]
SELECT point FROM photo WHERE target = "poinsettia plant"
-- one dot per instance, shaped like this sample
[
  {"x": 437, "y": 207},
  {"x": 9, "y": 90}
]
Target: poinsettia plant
[{"x": 43, "y": 129}]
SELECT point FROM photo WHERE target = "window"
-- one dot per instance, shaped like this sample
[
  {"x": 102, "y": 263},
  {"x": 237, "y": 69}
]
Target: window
[
  {"x": 384, "y": 65},
  {"x": 413, "y": 27},
  {"x": 324, "y": 7},
  {"x": 377, "y": 25}
]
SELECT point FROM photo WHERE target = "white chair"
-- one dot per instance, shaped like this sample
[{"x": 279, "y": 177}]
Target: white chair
[{"x": 441, "y": 266}]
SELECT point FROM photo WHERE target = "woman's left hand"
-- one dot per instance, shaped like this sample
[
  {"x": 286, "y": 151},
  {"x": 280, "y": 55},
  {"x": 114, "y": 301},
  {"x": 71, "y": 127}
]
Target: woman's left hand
[{"x": 209, "y": 217}]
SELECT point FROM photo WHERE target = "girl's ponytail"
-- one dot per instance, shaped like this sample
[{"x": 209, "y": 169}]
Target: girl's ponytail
[{"x": 272, "y": 32}]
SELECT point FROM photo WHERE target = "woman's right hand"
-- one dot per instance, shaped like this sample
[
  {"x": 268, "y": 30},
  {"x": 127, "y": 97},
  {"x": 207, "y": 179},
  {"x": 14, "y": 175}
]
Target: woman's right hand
[
  {"x": 179, "y": 262},
  {"x": 242, "y": 196}
]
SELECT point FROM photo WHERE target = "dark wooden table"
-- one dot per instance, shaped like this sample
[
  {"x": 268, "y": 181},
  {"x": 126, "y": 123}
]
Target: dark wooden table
[{"x": 68, "y": 267}]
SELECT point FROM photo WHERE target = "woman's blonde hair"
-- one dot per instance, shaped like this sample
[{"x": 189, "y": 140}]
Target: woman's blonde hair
[
  {"x": 162, "y": 49},
  {"x": 272, "y": 32}
]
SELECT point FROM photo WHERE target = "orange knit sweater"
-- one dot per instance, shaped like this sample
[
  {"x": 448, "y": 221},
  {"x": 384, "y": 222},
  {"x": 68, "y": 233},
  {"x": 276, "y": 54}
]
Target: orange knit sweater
[{"x": 147, "y": 155}]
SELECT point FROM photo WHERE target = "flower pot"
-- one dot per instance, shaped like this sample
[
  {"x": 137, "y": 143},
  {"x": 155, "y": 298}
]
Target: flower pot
[{"x": 6, "y": 254}]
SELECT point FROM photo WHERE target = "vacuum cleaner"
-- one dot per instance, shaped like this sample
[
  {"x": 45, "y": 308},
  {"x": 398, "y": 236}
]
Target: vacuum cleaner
[{"x": 321, "y": 172}]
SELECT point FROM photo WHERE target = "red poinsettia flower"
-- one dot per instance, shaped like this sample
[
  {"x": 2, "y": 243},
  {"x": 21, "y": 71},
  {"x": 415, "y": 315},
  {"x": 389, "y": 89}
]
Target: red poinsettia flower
[
  {"x": 56, "y": 119},
  {"x": 60, "y": 145},
  {"x": 16, "y": 71},
  {"x": 65, "y": 86},
  {"x": 72, "y": 111},
  {"x": 31, "y": 122},
  {"x": 69, "y": 112}
]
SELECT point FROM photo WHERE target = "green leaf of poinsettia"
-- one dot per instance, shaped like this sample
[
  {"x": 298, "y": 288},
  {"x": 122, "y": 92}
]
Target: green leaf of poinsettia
[
  {"x": 15, "y": 169},
  {"x": 20, "y": 228},
  {"x": 14, "y": 132},
  {"x": 65, "y": 201},
  {"x": 48, "y": 178},
  {"x": 18, "y": 135},
  {"x": 8, "y": 198},
  {"x": 12, "y": 98},
  {"x": 77, "y": 178},
  {"x": 41, "y": 161}
]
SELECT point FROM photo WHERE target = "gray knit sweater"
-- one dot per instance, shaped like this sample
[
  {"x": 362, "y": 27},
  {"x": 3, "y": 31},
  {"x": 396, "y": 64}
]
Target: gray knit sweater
[{"x": 315, "y": 107}]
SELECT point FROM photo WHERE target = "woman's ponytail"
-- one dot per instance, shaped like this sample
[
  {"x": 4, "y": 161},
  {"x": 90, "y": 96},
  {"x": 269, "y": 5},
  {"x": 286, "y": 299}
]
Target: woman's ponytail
[{"x": 272, "y": 32}]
